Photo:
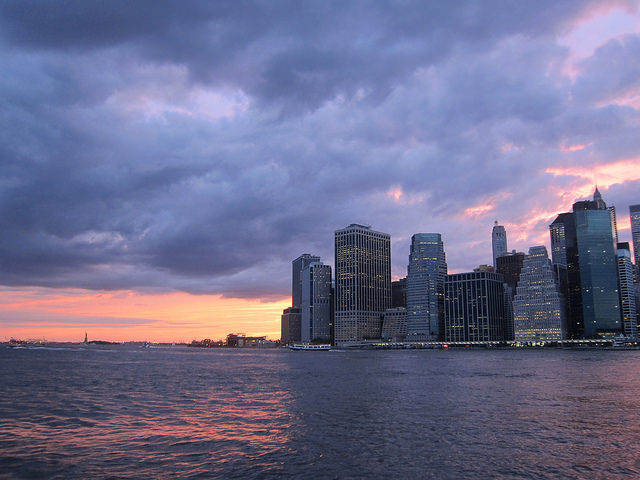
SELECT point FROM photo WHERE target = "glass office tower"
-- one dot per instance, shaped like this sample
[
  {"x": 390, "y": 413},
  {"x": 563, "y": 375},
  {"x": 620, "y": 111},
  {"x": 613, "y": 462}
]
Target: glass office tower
[
  {"x": 426, "y": 274},
  {"x": 598, "y": 271}
]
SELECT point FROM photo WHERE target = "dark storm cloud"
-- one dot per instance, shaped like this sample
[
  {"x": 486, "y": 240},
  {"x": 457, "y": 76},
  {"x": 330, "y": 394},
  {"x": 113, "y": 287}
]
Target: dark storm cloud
[
  {"x": 613, "y": 70},
  {"x": 296, "y": 54},
  {"x": 201, "y": 147}
]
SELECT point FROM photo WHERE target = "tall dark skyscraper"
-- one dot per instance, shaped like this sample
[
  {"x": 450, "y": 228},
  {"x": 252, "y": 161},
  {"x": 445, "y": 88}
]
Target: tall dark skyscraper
[
  {"x": 297, "y": 266},
  {"x": 509, "y": 266},
  {"x": 362, "y": 282},
  {"x": 426, "y": 274},
  {"x": 564, "y": 255},
  {"x": 598, "y": 272},
  {"x": 315, "y": 309},
  {"x": 291, "y": 320},
  {"x": 584, "y": 241}
]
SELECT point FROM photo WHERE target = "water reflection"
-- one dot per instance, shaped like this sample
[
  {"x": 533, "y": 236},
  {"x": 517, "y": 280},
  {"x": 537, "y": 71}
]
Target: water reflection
[{"x": 243, "y": 414}]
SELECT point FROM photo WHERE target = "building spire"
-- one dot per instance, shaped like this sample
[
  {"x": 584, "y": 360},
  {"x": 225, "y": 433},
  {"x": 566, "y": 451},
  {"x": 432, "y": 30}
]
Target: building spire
[{"x": 597, "y": 197}]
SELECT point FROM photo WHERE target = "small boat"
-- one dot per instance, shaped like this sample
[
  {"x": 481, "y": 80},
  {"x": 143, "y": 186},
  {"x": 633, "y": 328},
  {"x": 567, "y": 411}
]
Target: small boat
[{"x": 308, "y": 346}]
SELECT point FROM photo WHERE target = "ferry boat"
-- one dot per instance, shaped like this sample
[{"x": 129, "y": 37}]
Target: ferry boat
[{"x": 307, "y": 346}]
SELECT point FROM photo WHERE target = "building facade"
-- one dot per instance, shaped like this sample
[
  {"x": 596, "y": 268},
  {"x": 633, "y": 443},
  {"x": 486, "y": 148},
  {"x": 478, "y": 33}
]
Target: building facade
[
  {"x": 362, "y": 282},
  {"x": 583, "y": 252},
  {"x": 426, "y": 274},
  {"x": 634, "y": 216},
  {"x": 538, "y": 306},
  {"x": 399, "y": 293},
  {"x": 315, "y": 309},
  {"x": 297, "y": 266},
  {"x": 474, "y": 307},
  {"x": 598, "y": 270},
  {"x": 626, "y": 290},
  {"x": 290, "y": 326},
  {"x": 498, "y": 241},
  {"x": 394, "y": 324},
  {"x": 564, "y": 256},
  {"x": 509, "y": 266}
]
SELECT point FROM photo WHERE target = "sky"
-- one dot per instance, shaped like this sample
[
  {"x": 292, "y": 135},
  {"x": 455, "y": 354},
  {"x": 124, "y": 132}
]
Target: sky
[{"x": 162, "y": 163}]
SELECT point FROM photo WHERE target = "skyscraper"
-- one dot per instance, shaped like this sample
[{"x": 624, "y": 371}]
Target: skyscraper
[
  {"x": 509, "y": 267},
  {"x": 627, "y": 291},
  {"x": 598, "y": 270},
  {"x": 362, "y": 282},
  {"x": 291, "y": 320},
  {"x": 634, "y": 215},
  {"x": 538, "y": 307},
  {"x": 315, "y": 309},
  {"x": 498, "y": 241},
  {"x": 474, "y": 307},
  {"x": 564, "y": 254},
  {"x": 426, "y": 274},
  {"x": 583, "y": 240},
  {"x": 297, "y": 266}
]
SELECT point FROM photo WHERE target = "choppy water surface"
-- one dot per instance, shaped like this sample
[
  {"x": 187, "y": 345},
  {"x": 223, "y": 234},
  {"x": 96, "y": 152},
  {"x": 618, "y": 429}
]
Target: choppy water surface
[{"x": 124, "y": 412}]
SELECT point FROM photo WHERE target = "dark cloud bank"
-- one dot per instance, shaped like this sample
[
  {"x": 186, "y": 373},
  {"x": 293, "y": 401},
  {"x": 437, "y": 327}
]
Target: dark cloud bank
[{"x": 201, "y": 147}]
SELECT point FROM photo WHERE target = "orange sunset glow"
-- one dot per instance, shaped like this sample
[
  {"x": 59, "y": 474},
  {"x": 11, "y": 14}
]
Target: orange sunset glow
[
  {"x": 64, "y": 315},
  {"x": 605, "y": 174}
]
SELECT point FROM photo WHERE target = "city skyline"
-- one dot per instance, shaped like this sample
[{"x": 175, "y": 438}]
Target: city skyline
[{"x": 159, "y": 173}]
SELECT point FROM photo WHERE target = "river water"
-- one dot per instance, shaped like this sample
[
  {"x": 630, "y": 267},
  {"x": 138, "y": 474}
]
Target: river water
[{"x": 130, "y": 412}]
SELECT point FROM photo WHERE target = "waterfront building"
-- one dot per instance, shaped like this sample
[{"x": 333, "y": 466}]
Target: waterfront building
[
  {"x": 509, "y": 293},
  {"x": 538, "y": 306},
  {"x": 394, "y": 324},
  {"x": 598, "y": 269},
  {"x": 627, "y": 291},
  {"x": 474, "y": 307},
  {"x": 290, "y": 326},
  {"x": 636, "y": 289},
  {"x": 498, "y": 241},
  {"x": 509, "y": 266},
  {"x": 634, "y": 216},
  {"x": 315, "y": 309},
  {"x": 583, "y": 244},
  {"x": 297, "y": 266},
  {"x": 362, "y": 282},
  {"x": 564, "y": 256},
  {"x": 399, "y": 293},
  {"x": 426, "y": 274}
]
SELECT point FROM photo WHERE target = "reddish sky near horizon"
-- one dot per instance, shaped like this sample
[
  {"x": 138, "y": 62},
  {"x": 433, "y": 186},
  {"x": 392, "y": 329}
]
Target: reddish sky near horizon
[
  {"x": 125, "y": 315},
  {"x": 156, "y": 191}
]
